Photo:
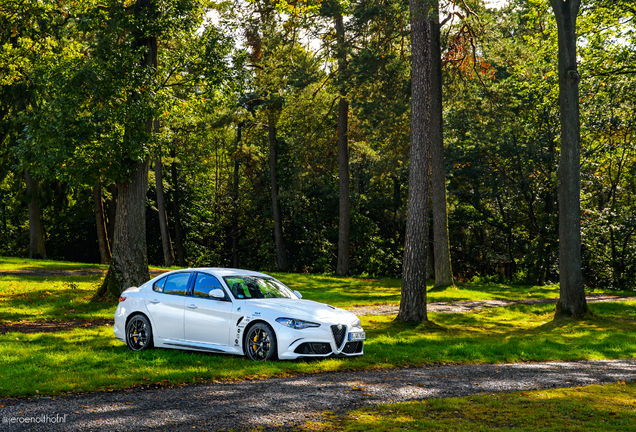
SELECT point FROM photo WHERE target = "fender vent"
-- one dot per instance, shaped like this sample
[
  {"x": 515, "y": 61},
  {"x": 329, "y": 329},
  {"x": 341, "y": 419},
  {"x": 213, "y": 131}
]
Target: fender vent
[{"x": 339, "y": 334}]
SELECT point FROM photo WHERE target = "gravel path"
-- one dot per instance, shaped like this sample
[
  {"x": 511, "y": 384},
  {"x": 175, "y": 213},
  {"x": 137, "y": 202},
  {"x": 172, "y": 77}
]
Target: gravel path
[
  {"x": 285, "y": 403},
  {"x": 473, "y": 305}
]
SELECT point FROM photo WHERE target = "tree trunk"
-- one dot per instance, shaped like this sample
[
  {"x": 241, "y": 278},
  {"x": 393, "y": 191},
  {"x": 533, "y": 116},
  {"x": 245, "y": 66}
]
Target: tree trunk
[
  {"x": 413, "y": 301},
  {"x": 36, "y": 234},
  {"x": 166, "y": 242},
  {"x": 112, "y": 211},
  {"x": 100, "y": 223},
  {"x": 572, "y": 295},
  {"x": 281, "y": 258},
  {"x": 443, "y": 269},
  {"x": 129, "y": 265},
  {"x": 176, "y": 212},
  {"x": 235, "y": 202},
  {"x": 342, "y": 267}
]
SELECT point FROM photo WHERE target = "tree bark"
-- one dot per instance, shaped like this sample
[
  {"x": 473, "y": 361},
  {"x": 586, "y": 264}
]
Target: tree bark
[
  {"x": 166, "y": 242},
  {"x": 176, "y": 212},
  {"x": 235, "y": 201},
  {"x": 112, "y": 211},
  {"x": 36, "y": 234},
  {"x": 281, "y": 258},
  {"x": 413, "y": 301},
  {"x": 443, "y": 269},
  {"x": 572, "y": 295},
  {"x": 342, "y": 267},
  {"x": 129, "y": 265},
  {"x": 100, "y": 223}
]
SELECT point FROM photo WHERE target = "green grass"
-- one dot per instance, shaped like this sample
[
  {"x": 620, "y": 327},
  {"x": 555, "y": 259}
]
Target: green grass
[
  {"x": 9, "y": 263},
  {"x": 591, "y": 408},
  {"x": 47, "y": 298},
  {"x": 91, "y": 359},
  {"x": 60, "y": 297},
  {"x": 349, "y": 291}
]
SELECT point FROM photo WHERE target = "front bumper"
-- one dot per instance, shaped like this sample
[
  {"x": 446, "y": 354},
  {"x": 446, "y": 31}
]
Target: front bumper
[{"x": 317, "y": 342}]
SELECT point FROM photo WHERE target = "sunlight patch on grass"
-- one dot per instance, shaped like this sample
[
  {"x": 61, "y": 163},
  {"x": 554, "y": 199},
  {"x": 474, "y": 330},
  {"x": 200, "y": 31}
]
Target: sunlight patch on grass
[{"x": 599, "y": 408}]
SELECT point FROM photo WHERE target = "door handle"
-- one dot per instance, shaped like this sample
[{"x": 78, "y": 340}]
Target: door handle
[
  {"x": 153, "y": 301},
  {"x": 191, "y": 306}
]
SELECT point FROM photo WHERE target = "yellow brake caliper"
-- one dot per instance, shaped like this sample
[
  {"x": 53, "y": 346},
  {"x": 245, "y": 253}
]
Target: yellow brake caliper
[{"x": 255, "y": 339}]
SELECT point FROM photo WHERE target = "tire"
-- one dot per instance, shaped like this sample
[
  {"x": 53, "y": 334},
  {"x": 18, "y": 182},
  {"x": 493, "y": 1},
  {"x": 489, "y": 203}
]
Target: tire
[
  {"x": 260, "y": 343},
  {"x": 139, "y": 333}
]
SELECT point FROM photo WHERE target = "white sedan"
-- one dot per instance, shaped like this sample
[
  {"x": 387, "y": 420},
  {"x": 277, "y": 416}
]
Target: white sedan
[{"x": 233, "y": 312}]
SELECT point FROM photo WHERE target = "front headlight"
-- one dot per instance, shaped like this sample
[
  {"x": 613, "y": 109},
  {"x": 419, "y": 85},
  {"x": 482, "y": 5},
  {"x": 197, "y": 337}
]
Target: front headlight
[
  {"x": 357, "y": 323},
  {"x": 296, "y": 323}
]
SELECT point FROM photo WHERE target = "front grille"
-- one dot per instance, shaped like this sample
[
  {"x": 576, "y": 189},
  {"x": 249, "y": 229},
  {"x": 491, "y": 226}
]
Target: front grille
[
  {"x": 352, "y": 347},
  {"x": 313, "y": 348},
  {"x": 338, "y": 334}
]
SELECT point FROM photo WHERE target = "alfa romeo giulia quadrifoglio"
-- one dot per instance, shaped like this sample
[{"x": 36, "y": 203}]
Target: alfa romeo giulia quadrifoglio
[{"x": 233, "y": 311}]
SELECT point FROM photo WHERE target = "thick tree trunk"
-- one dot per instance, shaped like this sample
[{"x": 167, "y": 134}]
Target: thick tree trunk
[
  {"x": 235, "y": 202},
  {"x": 281, "y": 258},
  {"x": 572, "y": 295},
  {"x": 176, "y": 212},
  {"x": 413, "y": 301},
  {"x": 36, "y": 234},
  {"x": 342, "y": 267},
  {"x": 100, "y": 223},
  {"x": 166, "y": 242},
  {"x": 129, "y": 265},
  {"x": 443, "y": 269}
]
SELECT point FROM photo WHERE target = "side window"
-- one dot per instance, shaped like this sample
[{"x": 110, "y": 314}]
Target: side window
[
  {"x": 158, "y": 286},
  {"x": 204, "y": 284},
  {"x": 176, "y": 284}
]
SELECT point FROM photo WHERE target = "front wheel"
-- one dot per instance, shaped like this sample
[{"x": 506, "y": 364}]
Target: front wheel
[
  {"x": 260, "y": 343},
  {"x": 139, "y": 333}
]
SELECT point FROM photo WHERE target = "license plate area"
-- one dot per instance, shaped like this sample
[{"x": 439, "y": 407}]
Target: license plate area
[{"x": 357, "y": 336}]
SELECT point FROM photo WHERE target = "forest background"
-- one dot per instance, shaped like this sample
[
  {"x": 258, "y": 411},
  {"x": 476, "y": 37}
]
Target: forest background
[{"x": 234, "y": 88}]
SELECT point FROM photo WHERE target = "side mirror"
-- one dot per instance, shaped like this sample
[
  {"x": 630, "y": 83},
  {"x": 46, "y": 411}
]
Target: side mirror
[
  {"x": 299, "y": 295},
  {"x": 217, "y": 293}
]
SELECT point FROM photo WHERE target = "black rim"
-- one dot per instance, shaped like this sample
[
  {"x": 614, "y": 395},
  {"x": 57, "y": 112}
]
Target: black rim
[
  {"x": 258, "y": 344},
  {"x": 137, "y": 334}
]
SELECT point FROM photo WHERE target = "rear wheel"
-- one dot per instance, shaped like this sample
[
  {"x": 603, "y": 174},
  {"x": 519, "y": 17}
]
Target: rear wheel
[
  {"x": 139, "y": 333},
  {"x": 260, "y": 343}
]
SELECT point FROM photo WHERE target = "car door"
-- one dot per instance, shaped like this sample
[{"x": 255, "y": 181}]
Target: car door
[
  {"x": 166, "y": 305},
  {"x": 207, "y": 319}
]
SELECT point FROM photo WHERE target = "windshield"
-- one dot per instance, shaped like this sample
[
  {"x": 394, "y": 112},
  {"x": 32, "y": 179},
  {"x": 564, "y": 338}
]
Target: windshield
[{"x": 254, "y": 287}]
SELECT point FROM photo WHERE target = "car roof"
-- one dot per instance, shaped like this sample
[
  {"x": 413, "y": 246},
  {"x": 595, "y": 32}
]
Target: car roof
[{"x": 219, "y": 271}]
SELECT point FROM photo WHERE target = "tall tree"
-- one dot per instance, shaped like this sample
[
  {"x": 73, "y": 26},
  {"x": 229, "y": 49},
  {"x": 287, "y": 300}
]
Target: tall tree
[
  {"x": 36, "y": 233},
  {"x": 279, "y": 239},
  {"x": 572, "y": 295},
  {"x": 413, "y": 301},
  {"x": 344, "y": 234},
  {"x": 100, "y": 223},
  {"x": 443, "y": 268},
  {"x": 129, "y": 265},
  {"x": 176, "y": 211},
  {"x": 235, "y": 199},
  {"x": 166, "y": 242}
]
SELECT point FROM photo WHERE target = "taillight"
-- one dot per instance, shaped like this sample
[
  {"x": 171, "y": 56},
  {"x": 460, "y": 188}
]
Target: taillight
[{"x": 121, "y": 299}]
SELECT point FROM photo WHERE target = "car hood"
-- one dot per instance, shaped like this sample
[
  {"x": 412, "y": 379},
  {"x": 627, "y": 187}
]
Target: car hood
[{"x": 300, "y": 309}]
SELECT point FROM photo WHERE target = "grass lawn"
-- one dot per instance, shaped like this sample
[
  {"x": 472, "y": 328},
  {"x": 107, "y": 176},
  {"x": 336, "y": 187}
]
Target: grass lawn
[
  {"x": 596, "y": 408},
  {"x": 59, "y": 297},
  {"x": 91, "y": 359}
]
